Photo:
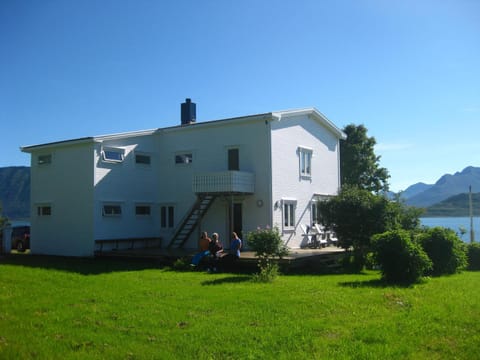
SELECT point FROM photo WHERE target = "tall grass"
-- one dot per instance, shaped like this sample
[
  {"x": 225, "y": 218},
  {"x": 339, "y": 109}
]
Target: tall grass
[{"x": 54, "y": 308}]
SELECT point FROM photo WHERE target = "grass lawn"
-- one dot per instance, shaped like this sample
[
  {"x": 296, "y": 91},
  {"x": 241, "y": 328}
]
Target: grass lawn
[{"x": 57, "y": 308}]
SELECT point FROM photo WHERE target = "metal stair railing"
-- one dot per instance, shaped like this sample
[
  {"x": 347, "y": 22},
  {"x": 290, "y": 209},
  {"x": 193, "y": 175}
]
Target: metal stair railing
[{"x": 191, "y": 220}]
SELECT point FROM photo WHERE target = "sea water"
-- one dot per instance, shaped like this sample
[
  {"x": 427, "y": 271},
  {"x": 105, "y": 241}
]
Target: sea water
[{"x": 455, "y": 223}]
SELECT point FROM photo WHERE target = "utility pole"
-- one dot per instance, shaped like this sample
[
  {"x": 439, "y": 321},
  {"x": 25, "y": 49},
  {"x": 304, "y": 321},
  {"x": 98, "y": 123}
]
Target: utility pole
[{"x": 472, "y": 235}]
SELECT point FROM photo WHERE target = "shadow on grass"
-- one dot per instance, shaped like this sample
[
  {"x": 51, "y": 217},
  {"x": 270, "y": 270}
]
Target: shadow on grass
[
  {"x": 227, "y": 280},
  {"x": 373, "y": 283},
  {"x": 83, "y": 266}
]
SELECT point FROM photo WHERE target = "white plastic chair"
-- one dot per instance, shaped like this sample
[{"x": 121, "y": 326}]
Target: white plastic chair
[
  {"x": 321, "y": 235},
  {"x": 332, "y": 237},
  {"x": 306, "y": 234}
]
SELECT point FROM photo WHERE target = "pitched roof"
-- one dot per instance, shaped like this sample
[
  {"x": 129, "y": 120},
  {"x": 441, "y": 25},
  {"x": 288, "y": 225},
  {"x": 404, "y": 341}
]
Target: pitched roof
[{"x": 277, "y": 115}]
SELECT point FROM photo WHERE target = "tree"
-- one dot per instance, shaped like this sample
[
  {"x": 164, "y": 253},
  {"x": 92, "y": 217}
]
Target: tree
[
  {"x": 357, "y": 214},
  {"x": 359, "y": 166}
]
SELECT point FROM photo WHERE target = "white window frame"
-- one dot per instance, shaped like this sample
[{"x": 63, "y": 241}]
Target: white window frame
[
  {"x": 112, "y": 209},
  {"x": 44, "y": 209},
  {"x": 143, "y": 205},
  {"x": 185, "y": 156},
  {"x": 144, "y": 155},
  {"x": 44, "y": 159},
  {"x": 305, "y": 156},
  {"x": 112, "y": 150},
  {"x": 169, "y": 221},
  {"x": 289, "y": 207}
]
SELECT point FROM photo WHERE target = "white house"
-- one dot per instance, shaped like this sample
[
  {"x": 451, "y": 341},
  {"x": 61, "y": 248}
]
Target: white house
[{"x": 171, "y": 183}]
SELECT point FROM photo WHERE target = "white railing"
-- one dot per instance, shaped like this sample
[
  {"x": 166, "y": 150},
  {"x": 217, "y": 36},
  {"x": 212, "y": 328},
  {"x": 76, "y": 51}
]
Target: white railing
[{"x": 224, "y": 182}]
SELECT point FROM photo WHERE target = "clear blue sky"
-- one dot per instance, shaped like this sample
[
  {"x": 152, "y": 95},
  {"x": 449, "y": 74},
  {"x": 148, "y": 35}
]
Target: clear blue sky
[{"x": 409, "y": 70}]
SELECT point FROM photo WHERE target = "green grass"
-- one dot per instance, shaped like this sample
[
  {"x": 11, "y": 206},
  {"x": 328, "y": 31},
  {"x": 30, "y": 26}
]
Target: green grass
[{"x": 57, "y": 308}]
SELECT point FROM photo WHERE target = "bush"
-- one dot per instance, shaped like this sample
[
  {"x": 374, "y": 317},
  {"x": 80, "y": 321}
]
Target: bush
[
  {"x": 446, "y": 250},
  {"x": 267, "y": 245},
  {"x": 401, "y": 260},
  {"x": 355, "y": 215},
  {"x": 473, "y": 254},
  {"x": 267, "y": 274}
]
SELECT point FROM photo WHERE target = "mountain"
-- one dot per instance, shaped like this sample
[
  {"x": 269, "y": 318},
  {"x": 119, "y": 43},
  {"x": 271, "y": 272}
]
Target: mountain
[
  {"x": 415, "y": 189},
  {"x": 457, "y": 205},
  {"x": 15, "y": 192},
  {"x": 448, "y": 185}
]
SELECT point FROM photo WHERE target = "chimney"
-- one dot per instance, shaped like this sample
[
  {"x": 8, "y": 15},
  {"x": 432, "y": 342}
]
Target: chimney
[{"x": 188, "y": 112}]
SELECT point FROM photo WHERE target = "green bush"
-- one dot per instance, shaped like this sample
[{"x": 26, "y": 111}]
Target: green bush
[
  {"x": 267, "y": 245},
  {"x": 446, "y": 250},
  {"x": 401, "y": 260},
  {"x": 267, "y": 273},
  {"x": 473, "y": 252}
]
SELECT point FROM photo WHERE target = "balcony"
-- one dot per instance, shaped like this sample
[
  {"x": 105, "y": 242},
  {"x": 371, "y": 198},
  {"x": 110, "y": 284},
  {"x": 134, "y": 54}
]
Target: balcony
[{"x": 226, "y": 182}]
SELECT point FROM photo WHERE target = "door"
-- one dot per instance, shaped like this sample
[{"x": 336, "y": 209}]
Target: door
[
  {"x": 236, "y": 219},
  {"x": 233, "y": 159}
]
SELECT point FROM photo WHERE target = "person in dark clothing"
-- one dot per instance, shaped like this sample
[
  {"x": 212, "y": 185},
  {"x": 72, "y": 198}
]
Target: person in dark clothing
[{"x": 216, "y": 250}]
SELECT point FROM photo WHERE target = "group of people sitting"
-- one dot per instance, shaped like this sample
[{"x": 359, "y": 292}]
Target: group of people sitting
[{"x": 212, "y": 250}]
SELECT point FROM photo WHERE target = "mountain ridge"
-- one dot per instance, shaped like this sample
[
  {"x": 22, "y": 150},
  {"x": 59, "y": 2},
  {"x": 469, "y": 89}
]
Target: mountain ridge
[
  {"x": 15, "y": 192},
  {"x": 446, "y": 186}
]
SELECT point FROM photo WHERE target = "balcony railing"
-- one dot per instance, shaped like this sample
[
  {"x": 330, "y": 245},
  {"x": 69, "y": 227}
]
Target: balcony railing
[{"x": 224, "y": 182}]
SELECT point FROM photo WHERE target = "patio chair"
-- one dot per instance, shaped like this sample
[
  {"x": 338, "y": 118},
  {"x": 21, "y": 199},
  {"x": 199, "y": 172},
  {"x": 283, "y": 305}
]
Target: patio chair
[
  {"x": 321, "y": 235},
  {"x": 306, "y": 235},
  {"x": 332, "y": 238}
]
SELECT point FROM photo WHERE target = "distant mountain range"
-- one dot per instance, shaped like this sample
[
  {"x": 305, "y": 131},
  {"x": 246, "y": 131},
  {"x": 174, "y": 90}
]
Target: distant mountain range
[
  {"x": 447, "y": 197},
  {"x": 424, "y": 195},
  {"x": 15, "y": 192},
  {"x": 457, "y": 205}
]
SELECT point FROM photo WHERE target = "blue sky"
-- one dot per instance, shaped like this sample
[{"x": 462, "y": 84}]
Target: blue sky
[{"x": 409, "y": 70}]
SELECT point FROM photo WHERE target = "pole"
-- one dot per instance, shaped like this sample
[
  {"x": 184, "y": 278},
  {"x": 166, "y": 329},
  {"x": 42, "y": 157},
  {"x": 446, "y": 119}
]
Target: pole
[{"x": 472, "y": 235}]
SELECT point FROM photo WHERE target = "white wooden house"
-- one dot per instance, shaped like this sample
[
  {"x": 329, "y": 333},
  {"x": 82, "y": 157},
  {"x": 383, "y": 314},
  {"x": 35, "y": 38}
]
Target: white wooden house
[{"x": 171, "y": 183}]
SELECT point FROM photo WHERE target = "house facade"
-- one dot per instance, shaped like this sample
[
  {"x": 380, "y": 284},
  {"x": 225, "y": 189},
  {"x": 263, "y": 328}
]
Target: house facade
[{"x": 171, "y": 183}]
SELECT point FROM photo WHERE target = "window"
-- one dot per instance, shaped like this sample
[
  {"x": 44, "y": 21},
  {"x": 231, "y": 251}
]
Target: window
[
  {"x": 44, "y": 159},
  {"x": 233, "y": 159},
  {"x": 112, "y": 210},
  {"x": 142, "y": 159},
  {"x": 142, "y": 210},
  {"x": 289, "y": 214},
  {"x": 113, "y": 155},
  {"x": 167, "y": 216},
  {"x": 305, "y": 156},
  {"x": 316, "y": 219},
  {"x": 183, "y": 158},
  {"x": 44, "y": 210}
]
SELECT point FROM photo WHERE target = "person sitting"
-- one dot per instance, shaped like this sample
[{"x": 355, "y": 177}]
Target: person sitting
[
  {"x": 236, "y": 245},
  {"x": 216, "y": 250},
  {"x": 204, "y": 244}
]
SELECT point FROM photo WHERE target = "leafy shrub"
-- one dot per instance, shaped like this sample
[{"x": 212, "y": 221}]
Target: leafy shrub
[
  {"x": 267, "y": 245},
  {"x": 473, "y": 253},
  {"x": 181, "y": 264},
  {"x": 267, "y": 273},
  {"x": 445, "y": 249},
  {"x": 356, "y": 215},
  {"x": 401, "y": 260}
]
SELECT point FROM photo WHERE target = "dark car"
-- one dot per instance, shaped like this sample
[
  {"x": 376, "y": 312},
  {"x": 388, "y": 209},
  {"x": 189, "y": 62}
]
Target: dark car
[{"x": 21, "y": 238}]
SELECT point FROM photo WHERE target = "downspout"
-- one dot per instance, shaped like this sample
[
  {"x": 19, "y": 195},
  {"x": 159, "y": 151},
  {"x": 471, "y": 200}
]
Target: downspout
[{"x": 268, "y": 128}]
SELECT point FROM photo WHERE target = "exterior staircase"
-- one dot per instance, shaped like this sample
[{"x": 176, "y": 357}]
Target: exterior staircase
[{"x": 190, "y": 222}]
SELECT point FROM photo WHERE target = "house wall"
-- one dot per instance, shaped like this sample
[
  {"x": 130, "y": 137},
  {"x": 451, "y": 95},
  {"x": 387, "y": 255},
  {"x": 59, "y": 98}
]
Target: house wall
[
  {"x": 209, "y": 146},
  {"x": 127, "y": 184},
  {"x": 66, "y": 185},
  {"x": 287, "y": 136}
]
